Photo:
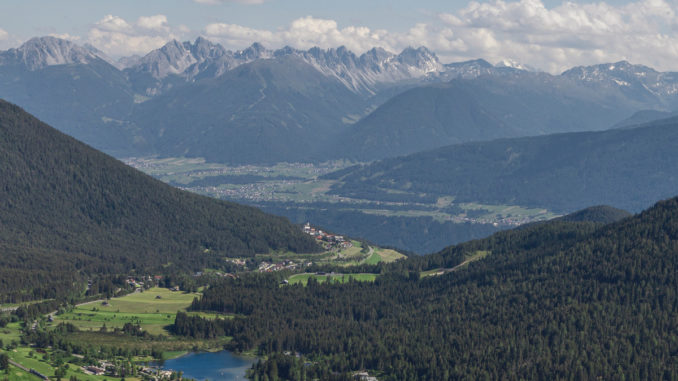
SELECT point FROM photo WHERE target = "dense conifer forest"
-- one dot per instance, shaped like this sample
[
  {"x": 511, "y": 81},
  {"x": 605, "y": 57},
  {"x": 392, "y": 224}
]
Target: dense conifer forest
[
  {"x": 68, "y": 212},
  {"x": 558, "y": 300}
]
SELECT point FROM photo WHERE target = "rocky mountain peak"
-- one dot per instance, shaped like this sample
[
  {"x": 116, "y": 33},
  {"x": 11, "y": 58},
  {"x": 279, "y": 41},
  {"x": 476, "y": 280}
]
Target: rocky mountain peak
[
  {"x": 41, "y": 52},
  {"x": 254, "y": 52}
]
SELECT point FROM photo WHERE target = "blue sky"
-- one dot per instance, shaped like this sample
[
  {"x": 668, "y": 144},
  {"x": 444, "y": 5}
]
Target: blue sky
[
  {"x": 28, "y": 18},
  {"x": 548, "y": 34}
]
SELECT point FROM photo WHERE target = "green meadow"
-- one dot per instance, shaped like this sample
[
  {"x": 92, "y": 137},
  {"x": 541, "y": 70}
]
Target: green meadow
[
  {"x": 153, "y": 310},
  {"x": 31, "y": 359}
]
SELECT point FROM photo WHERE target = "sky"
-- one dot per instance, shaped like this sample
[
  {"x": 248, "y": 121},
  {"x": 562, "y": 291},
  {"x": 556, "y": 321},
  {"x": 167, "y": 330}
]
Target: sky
[{"x": 549, "y": 35}]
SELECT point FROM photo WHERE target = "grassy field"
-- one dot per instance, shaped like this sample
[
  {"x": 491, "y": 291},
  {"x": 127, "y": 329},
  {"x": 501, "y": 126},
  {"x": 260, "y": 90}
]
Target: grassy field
[
  {"x": 389, "y": 255},
  {"x": 12, "y": 332},
  {"x": 351, "y": 256},
  {"x": 33, "y": 360},
  {"x": 471, "y": 257},
  {"x": 341, "y": 278},
  {"x": 153, "y": 310},
  {"x": 373, "y": 259}
]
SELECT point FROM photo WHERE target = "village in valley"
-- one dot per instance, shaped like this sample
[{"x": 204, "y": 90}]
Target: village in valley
[
  {"x": 329, "y": 241},
  {"x": 145, "y": 305}
]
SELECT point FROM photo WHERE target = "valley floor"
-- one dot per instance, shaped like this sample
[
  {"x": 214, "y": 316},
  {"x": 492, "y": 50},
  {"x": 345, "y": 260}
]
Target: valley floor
[{"x": 296, "y": 191}]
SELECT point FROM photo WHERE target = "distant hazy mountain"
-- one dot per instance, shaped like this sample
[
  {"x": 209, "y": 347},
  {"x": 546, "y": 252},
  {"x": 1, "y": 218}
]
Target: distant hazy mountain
[
  {"x": 71, "y": 87},
  {"x": 258, "y": 105},
  {"x": 362, "y": 74},
  {"x": 85, "y": 94},
  {"x": 642, "y": 117},
  {"x": 625, "y": 168},
  {"x": 635, "y": 82},
  {"x": 278, "y": 109},
  {"x": 505, "y": 102},
  {"x": 38, "y": 53},
  {"x": 67, "y": 211}
]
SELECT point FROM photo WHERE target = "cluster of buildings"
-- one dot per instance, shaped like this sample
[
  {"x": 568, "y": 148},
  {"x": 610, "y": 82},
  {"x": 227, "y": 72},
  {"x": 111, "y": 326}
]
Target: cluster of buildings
[
  {"x": 363, "y": 376},
  {"x": 156, "y": 374},
  {"x": 107, "y": 368},
  {"x": 265, "y": 267},
  {"x": 136, "y": 283},
  {"x": 330, "y": 240},
  {"x": 237, "y": 261},
  {"x": 104, "y": 367},
  {"x": 510, "y": 221}
]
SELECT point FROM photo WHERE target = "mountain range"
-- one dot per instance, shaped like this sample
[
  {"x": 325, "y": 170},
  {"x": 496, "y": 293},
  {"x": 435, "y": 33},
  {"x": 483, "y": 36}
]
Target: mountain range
[{"x": 260, "y": 106}]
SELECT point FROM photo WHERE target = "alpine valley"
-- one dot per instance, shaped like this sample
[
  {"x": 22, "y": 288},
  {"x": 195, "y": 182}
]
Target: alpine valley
[
  {"x": 259, "y": 107},
  {"x": 322, "y": 215}
]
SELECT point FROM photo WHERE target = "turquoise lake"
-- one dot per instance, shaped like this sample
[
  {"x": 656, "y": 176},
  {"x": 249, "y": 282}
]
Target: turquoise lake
[{"x": 215, "y": 366}]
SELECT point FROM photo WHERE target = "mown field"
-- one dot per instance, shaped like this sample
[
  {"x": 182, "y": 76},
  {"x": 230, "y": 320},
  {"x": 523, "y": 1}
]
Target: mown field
[
  {"x": 153, "y": 310},
  {"x": 34, "y": 360}
]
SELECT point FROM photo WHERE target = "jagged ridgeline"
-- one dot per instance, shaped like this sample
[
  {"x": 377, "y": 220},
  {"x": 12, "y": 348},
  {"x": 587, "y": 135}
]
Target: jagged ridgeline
[{"x": 67, "y": 210}]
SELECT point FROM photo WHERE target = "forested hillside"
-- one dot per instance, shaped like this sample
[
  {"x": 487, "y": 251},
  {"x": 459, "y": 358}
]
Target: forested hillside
[
  {"x": 67, "y": 210},
  {"x": 559, "y": 300},
  {"x": 625, "y": 168}
]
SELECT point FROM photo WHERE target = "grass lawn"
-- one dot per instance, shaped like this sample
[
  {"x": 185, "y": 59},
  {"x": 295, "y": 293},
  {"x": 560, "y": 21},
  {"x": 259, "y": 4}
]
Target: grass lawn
[
  {"x": 382, "y": 255},
  {"x": 153, "y": 309},
  {"x": 303, "y": 278},
  {"x": 373, "y": 259},
  {"x": 148, "y": 301},
  {"x": 388, "y": 255},
  {"x": 12, "y": 332},
  {"x": 35, "y": 361}
]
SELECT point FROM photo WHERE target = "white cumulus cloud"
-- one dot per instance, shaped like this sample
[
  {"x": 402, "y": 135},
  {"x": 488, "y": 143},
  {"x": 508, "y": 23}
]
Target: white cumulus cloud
[
  {"x": 525, "y": 31},
  {"x": 569, "y": 34},
  {"x": 157, "y": 23},
  {"x": 119, "y": 37},
  {"x": 302, "y": 33},
  {"x": 3, "y": 34},
  {"x": 65, "y": 36}
]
